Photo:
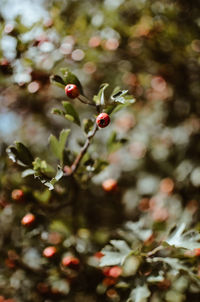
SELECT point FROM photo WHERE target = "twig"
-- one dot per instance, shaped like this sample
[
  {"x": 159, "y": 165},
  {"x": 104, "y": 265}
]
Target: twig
[
  {"x": 77, "y": 160},
  {"x": 84, "y": 100},
  {"x": 154, "y": 251}
]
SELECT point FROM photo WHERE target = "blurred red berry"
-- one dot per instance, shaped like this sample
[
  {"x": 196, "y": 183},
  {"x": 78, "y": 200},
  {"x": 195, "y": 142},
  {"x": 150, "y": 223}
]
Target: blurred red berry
[
  {"x": 103, "y": 120},
  {"x": 28, "y": 219},
  {"x": 98, "y": 255},
  {"x": 115, "y": 271},
  {"x": 109, "y": 185},
  {"x": 109, "y": 281},
  {"x": 72, "y": 91},
  {"x": 197, "y": 252},
  {"x": 17, "y": 195},
  {"x": 71, "y": 262},
  {"x": 49, "y": 251}
]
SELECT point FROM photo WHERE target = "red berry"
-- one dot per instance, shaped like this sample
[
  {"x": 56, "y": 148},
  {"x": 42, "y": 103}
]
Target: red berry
[
  {"x": 71, "y": 262},
  {"x": 28, "y": 219},
  {"x": 98, "y": 255},
  {"x": 109, "y": 185},
  {"x": 115, "y": 271},
  {"x": 72, "y": 91},
  {"x": 17, "y": 195},
  {"x": 103, "y": 120},
  {"x": 49, "y": 251},
  {"x": 197, "y": 252}
]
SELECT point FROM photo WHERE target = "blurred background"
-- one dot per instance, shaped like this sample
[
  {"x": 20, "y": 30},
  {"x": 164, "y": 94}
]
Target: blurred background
[{"x": 152, "y": 148}]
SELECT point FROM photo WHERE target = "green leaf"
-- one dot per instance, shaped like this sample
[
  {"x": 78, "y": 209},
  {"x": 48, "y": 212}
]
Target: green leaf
[
  {"x": 120, "y": 96},
  {"x": 54, "y": 145},
  {"x": 114, "y": 142},
  {"x": 99, "y": 99},
  {"x": 57, "y": 111},
  {"x": 116, "y": 254},
  {"x": 20, "y": 154},
  {"x": 50, "y": 184},
  {"x": 58, "y": 146},
  {"x": 42, "y": 168},
  {"x": 42, "y": 196},
  {"x": 88, "y": 125},
  {"x": 57, "y": 80},
  {"x": 63, "y": 138},
  {"x": 70, "y": 78},
  {"x": 28, "y": 172},
  {"x": 70, "y": 113},
  {"x": 24, "y": 154}
]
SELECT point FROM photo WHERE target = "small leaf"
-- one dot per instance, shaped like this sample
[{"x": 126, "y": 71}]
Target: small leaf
[
  {"x": 20, "y": 154},
  {"x": 54, "y": 145},
  {"x": 42, "y": 168},
  {"x": 120, "y": 96},
  {"x": 88, "y": 125},
  {"x": 24, "y": 154},
  {"x": 55, "y": 179},
  {"x": 58, "y": 146},
  {"x": 117, "y": 253},
  {"x": 70, "y": 78},
  {"x": 99, "y": 98},
  {"x": 63, "y": 138},
  {"x": 42, "y": 196},
  {"x": 139, "y": 294},
  {"x": 28, "y": 172},
  {"x": 70, "y": 113},
  {"x": 57, "y": 80},
  {"x": 57, "y": 111},
  {"x": 189, "y": 240}
]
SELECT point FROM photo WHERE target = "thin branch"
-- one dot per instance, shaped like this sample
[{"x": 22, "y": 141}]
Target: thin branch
[
  {"x": 77, "y": 160},
  {"x": 154, "y": 251},
  {"x": 84, "y": 100}
]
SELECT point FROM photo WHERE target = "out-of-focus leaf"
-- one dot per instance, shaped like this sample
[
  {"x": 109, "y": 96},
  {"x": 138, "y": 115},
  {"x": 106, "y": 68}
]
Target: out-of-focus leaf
[
  {"x": 57, "y": 80},
  {"x": 88, "y": 125},
  {"x": 176, "y": 265},
  {"x": 50, "y": 182},
  {"x": 24, "y": 154},
  {"x": 58, "y": 146},
  {"x": 189, "y": 240},
  {"x": 27, "y": 172},
  {"x": 114, "y": 143},
  {"x": 20, "y": 154},
  {"x": 42, "y": 196},
  {"x": 115, "y": 254},
  {"x": 139, "y": 294},
  {"x": 139, "y": 230},
  {"x": 41, "y": 166},
  {"x": 71, "y": 78},
  {"x": 57, "y": 111},
  {"x": 70, "y": 113},
  {"x": 99, "y": 99}
]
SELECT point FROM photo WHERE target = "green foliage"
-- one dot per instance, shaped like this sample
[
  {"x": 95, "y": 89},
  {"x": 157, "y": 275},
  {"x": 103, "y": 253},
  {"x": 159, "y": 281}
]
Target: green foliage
[
  {"x": 148, "y": 49},
  {"x": 58, "y": 146}
]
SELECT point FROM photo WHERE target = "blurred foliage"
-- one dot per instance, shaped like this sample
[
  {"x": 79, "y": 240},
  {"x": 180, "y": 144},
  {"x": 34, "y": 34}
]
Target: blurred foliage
[{"x": 148, "y": 228}]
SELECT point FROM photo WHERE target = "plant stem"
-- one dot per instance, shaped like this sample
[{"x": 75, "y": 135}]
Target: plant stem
[
  {"x": 77, "y": 160},
  {"x": 84, "y": 100},
  {"x": 154, "y": 251}
]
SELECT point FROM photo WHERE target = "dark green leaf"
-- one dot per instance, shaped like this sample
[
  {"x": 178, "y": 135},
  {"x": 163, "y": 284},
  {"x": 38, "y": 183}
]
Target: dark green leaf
[
  {"x": 24, "y": 154},
  {"x": 70, "y": 78},
  {"x": 57, "y": 80}
]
